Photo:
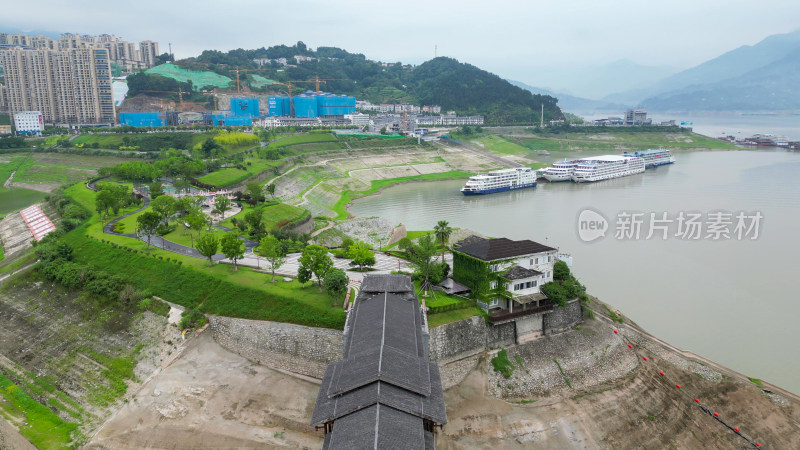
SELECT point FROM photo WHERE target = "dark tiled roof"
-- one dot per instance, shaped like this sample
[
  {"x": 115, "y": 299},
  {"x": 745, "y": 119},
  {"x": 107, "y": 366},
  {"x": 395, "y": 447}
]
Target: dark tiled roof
[
  {"x": 385, "y": 387},
  {"x": 469, "y": 240},
  {"x": 519, "y": 272},
  {"x": 387, "y": 283},
  {"x": 379, "y": 427},
  {"x": 501, "y": 248},
  {"x": 450, "y": 286}
]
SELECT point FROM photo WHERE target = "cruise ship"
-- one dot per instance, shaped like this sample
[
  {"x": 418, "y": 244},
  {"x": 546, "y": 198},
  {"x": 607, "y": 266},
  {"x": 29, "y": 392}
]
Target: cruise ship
[
  {"x": 605, "y": 167},
  {"x": 654, "y": 157},
  {"x": 500, "y": 180},
  {"x": 560, "y": 171}
]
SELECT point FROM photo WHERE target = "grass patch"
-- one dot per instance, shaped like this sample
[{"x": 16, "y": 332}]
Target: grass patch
[
  {"x": 563, "y": 375},
  {"x": 434, "y": 320},
  {"x": 274, "y": 216},
  {"x": 496, "y": 144},
  {"x": 502, "y": 364},
  {"x": 756, "y": 381},
  {"x": 211, "y": 290},
  {"x": 42, "y": 427},
  {"x": 231, "y": 175},
  {"x": 305, "y": 138},
  {"x": 340, "y": 207}
]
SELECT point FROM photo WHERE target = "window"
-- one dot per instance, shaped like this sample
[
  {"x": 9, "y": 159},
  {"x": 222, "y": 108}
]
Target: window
[
  {"x": 549, "y": 259},
  {"x": 531, "y": 261},
  {"x": 537, "y": 260}
]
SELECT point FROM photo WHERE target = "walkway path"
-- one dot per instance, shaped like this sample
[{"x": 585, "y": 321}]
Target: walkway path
[{"x": 170, "y": 246}]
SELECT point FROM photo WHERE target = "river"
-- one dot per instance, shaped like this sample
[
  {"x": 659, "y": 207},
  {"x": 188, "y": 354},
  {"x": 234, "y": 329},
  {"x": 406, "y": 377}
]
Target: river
[{"x": 733, "y": 301}]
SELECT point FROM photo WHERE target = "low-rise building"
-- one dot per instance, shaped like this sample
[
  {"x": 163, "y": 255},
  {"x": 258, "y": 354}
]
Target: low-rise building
[
  {"x": 522, "y": 267},
  {"x": 29, "y": 122},
  {"x": 449, "y": 120}
]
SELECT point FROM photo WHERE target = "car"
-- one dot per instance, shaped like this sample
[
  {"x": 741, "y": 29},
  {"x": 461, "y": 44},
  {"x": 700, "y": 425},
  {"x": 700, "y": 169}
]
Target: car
[{"x": 388, "y": 254}]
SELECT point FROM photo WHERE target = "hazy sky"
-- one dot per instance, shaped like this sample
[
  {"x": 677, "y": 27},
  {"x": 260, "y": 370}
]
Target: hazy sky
[{"x": 514, "y": 39}]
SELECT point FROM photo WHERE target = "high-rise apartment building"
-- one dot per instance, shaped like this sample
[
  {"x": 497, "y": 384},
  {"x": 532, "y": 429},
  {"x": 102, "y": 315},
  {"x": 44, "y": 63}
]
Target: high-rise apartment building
[
  {"x": 69, "y": 86},
  {"x": 149, "y": 52}
]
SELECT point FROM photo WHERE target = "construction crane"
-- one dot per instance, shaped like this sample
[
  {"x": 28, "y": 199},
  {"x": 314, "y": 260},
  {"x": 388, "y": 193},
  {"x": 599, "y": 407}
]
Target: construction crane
[{"x": 319, "y": 80}]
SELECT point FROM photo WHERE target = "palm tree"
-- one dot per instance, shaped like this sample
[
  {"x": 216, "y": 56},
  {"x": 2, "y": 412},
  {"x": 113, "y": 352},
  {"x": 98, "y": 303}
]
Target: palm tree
[{"x": 442, "y": 231}]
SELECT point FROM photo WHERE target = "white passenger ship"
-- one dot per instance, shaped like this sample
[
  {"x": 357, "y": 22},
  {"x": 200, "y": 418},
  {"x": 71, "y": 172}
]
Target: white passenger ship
[
  {"x": 654, "y": 157},
  {"x": 500, "y": 180},
  {"x": 560, "y": 171},
  {"x": 605, "y": 167}
]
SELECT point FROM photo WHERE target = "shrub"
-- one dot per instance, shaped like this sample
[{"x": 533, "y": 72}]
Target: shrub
[
  {"x": 502, "y": 364},
  {"x": 192, "y": 318}
]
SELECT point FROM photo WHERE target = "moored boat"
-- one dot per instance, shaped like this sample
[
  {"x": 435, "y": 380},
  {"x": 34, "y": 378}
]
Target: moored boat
[{"x": 500, "y": 180}]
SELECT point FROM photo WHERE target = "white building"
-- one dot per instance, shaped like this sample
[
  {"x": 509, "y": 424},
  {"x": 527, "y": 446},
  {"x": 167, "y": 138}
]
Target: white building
[
  {"x": 29, "y": 122},
  {"x": 525, "y": 265},
  {"x": 359, "y": 119},
  {"x": 449, "y": 120}
]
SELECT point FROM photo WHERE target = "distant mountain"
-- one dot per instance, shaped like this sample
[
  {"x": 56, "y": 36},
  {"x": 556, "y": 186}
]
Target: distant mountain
[
  {"x": 596, "y": 81},
  {"x": 455, "y": 86},
  {"x": 14, "y": 30},
  {"x": 574, "y": 104},
  {"x": 715, "y": 77},
  {"x": 773, "y": 87}
]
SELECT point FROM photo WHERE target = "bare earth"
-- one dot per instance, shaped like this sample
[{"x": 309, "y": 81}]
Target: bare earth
[{"x": 212, "y": 398}]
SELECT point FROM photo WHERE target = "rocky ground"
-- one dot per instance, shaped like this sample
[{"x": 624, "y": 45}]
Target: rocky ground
[
  {"x": 614, "y": 399},
  {"x": 213, "y": 398}
]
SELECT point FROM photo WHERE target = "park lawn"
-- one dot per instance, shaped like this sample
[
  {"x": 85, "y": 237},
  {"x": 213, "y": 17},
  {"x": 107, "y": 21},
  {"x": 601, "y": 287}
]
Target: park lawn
[
  {"x": 190, "y": 237},
  {"x": 434, "y": 320},
  {"x": 108, "y": 141},
  {"x": 275, "y": 216},
  {"x": 314, "y": 147},
  {"x": 213, "y": 289},
  {"x": 540, "y": 144},
  {"x": 340, "y": 207},
  {"x": 305, "y": 138},
  {"x": 231, "y": 175}
]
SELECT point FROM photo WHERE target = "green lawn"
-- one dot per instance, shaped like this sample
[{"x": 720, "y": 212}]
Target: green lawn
[
  {"x": 434, "y": 320},
  {"x": 305, "y": 138},
  {"x": 275, "y": 216},
  {"x": 612, "y": 140},
  {"x": 340, "y": 207},
  {"x": 230, "y": 176},
  {"x": 495, "y": 144},
  {"x": 211, "y": 289}
]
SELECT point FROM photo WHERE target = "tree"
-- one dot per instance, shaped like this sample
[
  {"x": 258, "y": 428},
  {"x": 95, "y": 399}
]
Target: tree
[
  {"x": 104, "y": 200},
  {"x": 232, "y": 247},
  {"x": 405, "y": 244},
  {"x": 156, "y": 189},
  {"x": 272, "y": 250},
  {"x": 303, "y": 275},
  {"x": 148, "y": 223},
  {"x": 256, "y": 191},
  {"x": 361, "y": 255},
  {"x": 209, "y": 146},
  {"x": 420, "y": 256},
  {"x": 255, "y": 220},
  {"x": 271, "y": 190},
  {"x": 443, "y": 231},
  {"x": 196, "y": 221},
  {"x": 221, "y": 204},
  {"x": 164, "y": 206},
  {"x": 336, "y": 282},
  {"x": 561, "y": 271},
  {"x": 207, "y": 245},
  {"x": 315, "y": 259}
]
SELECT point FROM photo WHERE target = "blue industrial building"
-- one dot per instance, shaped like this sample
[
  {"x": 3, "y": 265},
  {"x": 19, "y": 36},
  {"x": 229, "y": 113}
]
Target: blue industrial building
[
  {"x": 222, "y": 120},
  {"x": 142, "y": 119},
  {"x": 311, "y": 104},
  {"x": 245, "y": 107}
]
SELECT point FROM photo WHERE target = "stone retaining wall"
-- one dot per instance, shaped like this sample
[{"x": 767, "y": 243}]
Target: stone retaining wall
[
  {"x": 467, "y": 337},
  {"x": 563, "y": 319},
  {"x": 282, "y": 346}
]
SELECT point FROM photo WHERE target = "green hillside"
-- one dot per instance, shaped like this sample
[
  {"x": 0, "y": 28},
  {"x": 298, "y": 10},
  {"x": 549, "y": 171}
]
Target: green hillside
[{"x": 456, "y": 86}]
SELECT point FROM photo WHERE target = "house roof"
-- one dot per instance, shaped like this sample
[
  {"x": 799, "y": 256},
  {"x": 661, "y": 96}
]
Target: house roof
[
  {"x": 453, "y": 287},
  {"x": 519, "y": 272},
  {"x": 500, "y": 248},
  {"x": 387, "y": 283},
  {"x": 382, "y": 391}
]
